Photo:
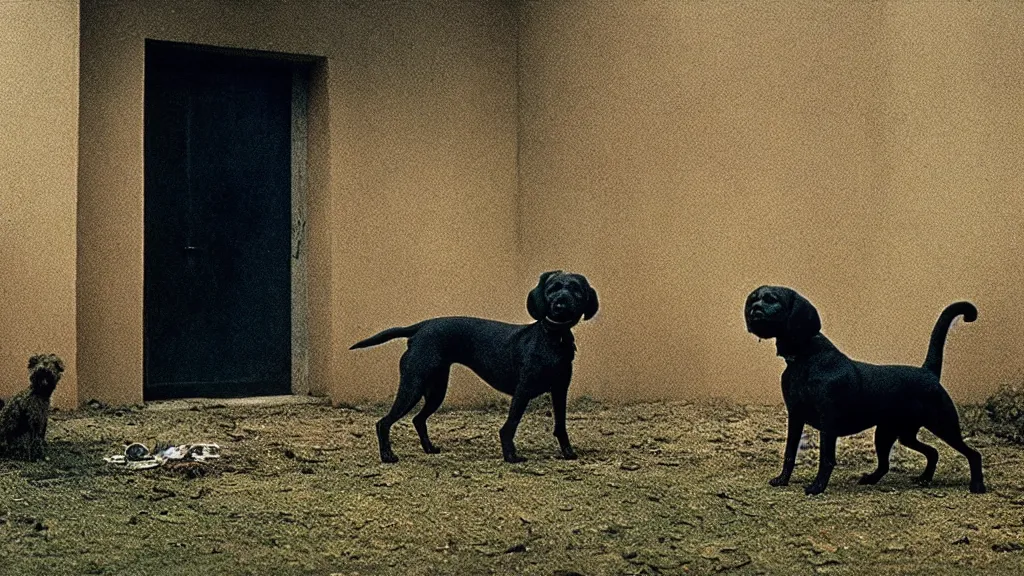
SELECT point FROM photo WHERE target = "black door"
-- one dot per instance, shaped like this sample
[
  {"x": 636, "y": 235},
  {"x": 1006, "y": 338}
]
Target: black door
[{"x": 217, "y": 301}]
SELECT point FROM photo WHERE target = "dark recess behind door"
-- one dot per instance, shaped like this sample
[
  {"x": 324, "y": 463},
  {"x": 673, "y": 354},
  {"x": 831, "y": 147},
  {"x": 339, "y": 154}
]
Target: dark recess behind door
[{"x": 217, "y": 305}]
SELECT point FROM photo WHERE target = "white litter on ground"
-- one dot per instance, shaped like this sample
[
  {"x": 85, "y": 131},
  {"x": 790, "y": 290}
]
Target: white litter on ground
[{"x": 137, "y": 457}]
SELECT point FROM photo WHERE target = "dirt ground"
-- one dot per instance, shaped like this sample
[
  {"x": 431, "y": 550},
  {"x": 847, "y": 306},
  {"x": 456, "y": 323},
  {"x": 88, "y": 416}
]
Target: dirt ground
[{"x": 678, "y": 488}]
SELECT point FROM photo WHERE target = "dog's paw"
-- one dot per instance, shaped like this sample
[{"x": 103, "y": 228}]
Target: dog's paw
[
  {"x": 514, "y": 459},
  {"x": 569, "y": 454},
  {"x": 431, "y": 449},
  {"x": 388, "y": 458},
  {"x": 977, "y": 487},
  {"x": 779, "y": 481},
  {"x": 868, "y": 479},
  {"x": 814, "y": 489}
]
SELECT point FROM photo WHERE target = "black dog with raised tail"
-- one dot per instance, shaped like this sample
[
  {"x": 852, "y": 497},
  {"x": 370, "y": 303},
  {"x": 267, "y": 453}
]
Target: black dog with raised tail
[{"x": 839, "y": 396}]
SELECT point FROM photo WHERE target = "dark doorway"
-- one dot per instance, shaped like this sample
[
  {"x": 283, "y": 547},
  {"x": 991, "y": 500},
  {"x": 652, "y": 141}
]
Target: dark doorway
[{"x": 217, "y": 287}]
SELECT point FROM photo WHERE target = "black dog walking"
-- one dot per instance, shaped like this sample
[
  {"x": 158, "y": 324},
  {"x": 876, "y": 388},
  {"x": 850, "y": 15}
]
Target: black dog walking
[
  {"x": 523, "y": 361},
  {"x": 839, "y": 396}
]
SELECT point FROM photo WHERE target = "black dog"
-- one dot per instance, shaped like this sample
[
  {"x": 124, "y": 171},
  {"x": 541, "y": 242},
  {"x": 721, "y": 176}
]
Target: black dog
[
  {"x": 839, "y": 396},
  {"x": 523, "y": 361},
  {"x": 23, "y": 420}
]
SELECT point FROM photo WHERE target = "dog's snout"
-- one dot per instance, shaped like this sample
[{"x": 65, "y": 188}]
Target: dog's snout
[{"x": 559, "y": 305}]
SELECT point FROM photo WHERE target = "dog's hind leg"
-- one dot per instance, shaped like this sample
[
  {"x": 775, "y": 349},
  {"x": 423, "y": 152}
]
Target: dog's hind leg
[
  {"x": 411, "y": 386},
  {"x": 436, "y": 388},
  {"x": 884, "y": 439},
  {"x": 910, "y": 440},
  {"x": 949, "y": 432}
]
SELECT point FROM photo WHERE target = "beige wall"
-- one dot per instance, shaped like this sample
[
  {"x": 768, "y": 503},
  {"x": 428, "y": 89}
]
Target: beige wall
[
  {"x": 38, "y": 159},
  {"x": 426, "y": 180},
  {"x": 412, "y": 172},
  {"x": 867, "y": 154},
  {"x": 678, "y": 153}
]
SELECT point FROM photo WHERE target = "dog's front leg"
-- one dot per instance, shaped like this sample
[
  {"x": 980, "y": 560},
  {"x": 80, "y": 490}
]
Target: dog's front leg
[
  {"x": 558, "y": 401},
  {"x": 508, "y": 432},
  {"x": 794, "y": 431},
  {"x": 826, "y": 462}
]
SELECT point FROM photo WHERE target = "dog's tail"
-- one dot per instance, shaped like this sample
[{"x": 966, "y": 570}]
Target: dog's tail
[
  {"x": 389, "y": 334},
  {"x": 933, "y": 362}
]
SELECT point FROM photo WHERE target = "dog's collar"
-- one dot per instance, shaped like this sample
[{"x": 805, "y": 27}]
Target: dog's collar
[
  {"x": 552, "y": 325},
  {"x": 556, "y": 323}
]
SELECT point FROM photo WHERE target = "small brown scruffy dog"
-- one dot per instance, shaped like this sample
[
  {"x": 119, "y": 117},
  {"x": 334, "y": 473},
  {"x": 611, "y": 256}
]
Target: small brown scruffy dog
[{"x": 23, "y": 418}]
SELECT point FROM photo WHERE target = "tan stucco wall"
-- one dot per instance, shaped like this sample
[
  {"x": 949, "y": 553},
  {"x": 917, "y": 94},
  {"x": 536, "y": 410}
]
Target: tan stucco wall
[
  {"x": 38, "y": 160},
  {"x": 678, "y": 153},
  {"x": 426, "y": 178},
  {"x": 867, "y": 154},
  {"x": 412, "y": 162}
]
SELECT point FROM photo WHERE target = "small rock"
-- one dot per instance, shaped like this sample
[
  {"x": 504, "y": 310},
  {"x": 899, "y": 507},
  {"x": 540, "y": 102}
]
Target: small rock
[
  {"x": 709, "y": 553},
  {"x": 615, "y": 528},
  {"x": 894, "y": 548}
]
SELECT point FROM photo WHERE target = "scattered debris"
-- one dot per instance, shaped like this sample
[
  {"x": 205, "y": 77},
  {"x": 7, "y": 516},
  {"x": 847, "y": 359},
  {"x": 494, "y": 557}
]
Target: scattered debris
[{"x": 137, "y": 457}]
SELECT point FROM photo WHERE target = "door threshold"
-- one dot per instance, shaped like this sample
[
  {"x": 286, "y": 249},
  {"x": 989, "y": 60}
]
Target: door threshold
[{"x": 189, "y": 403}]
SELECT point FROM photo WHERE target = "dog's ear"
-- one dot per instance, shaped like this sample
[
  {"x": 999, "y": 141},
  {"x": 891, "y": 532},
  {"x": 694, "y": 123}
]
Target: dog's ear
[
  {"x": 536, "y": 301},
  {"x": 590, "y": 308},
  {"x": 34, "y": 361},
  {"x": 803, "y": 321}
]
